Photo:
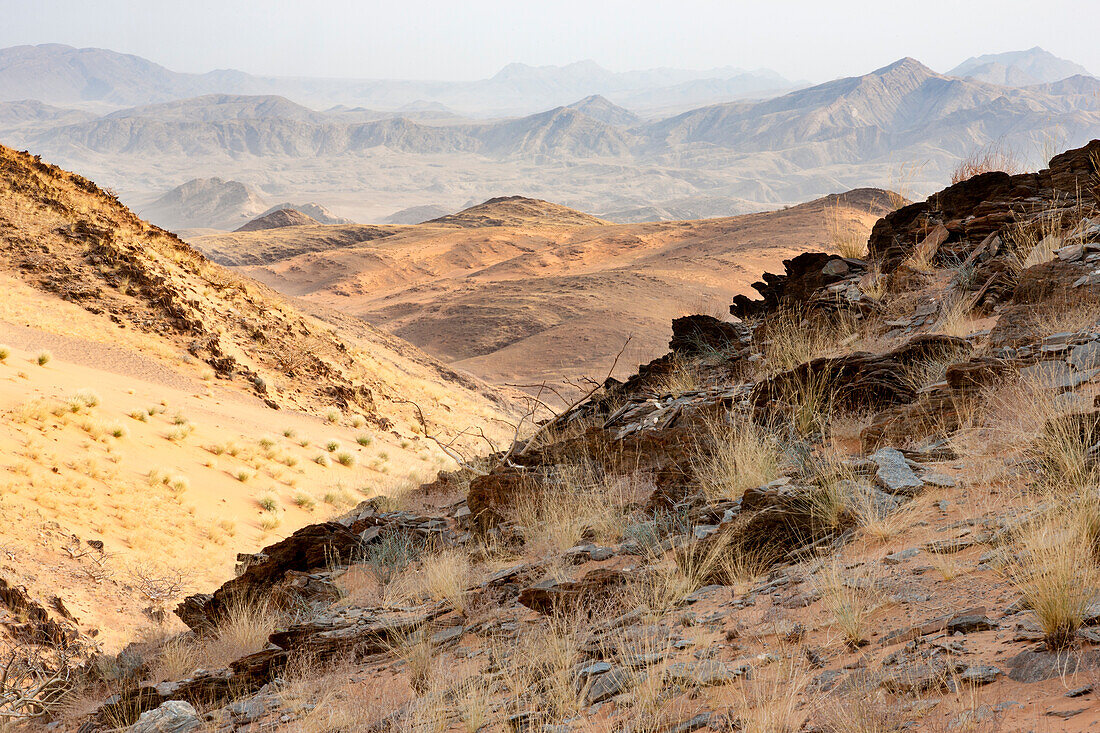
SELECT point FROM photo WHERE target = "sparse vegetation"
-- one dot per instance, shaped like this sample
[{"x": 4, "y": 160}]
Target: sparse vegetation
[
  {"x": 737, "y": 454},
  {"x": 995, "y": 157},
  {"x": 43, "y": 358}
]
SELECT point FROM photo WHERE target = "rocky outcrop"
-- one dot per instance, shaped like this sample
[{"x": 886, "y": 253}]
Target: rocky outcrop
[
  {"x": 310, "y": 548},
  {"x": 812, "y": 278},
  {"x": 862, "y": 380},
  {"x": 985, "y": 205}
]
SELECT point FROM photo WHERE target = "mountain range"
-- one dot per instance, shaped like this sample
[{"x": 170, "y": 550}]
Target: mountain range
[
  {"x": 103, "y": 79},
  {"x": 903, "y": 126}
]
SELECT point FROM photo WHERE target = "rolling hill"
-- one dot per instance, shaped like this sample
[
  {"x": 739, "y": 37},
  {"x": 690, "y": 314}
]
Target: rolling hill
[{"x": 522, "y": 290}]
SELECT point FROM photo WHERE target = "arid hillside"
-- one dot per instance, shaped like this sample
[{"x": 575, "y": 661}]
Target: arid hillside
[
  {"x": 868, "y": 507},
  {"x": 155, "y": 407},
  {"x": 520, "y": 290}
]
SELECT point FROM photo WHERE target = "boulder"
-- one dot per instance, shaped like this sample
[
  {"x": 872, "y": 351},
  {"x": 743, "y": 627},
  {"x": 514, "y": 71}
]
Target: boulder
[
  {"x": 174, "y": 716},
  {"x": 552, "y": 595}
]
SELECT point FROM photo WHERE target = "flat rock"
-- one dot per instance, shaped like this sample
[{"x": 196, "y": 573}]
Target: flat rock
[
  {"x": 979, "y": 674},
  {"x": 706, "y": 673},
  {"x": 901, "y": 556},
  {"x": 1049, "y": 374},
  {"x": 969, "y": 623},
  {"x": 607, "y": 685},
  {"x": 1085, "y": 356}
]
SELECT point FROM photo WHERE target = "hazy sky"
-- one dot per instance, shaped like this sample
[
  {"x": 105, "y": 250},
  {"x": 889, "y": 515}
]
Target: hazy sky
[{"x": 470, "y": 39}]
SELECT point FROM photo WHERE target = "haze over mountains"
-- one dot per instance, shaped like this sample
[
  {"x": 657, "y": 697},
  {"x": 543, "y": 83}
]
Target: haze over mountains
[{"x": 584, "y": 137}]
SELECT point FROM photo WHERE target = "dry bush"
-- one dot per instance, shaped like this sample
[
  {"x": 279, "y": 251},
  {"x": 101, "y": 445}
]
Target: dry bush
[
  {"x": 333, "y": 698},
  {"x": 847, "y": 235},
  {"x": 734, "y": 454},
  {"x": 540, "y": 674},
  {"x": 243, "y": 628},
  {"x": 1032, "y": 240},
  {"x": 850, "y": 600},
  {"x": 1055, "y": 570},
  {"x": 682, "y": 377},
  {"x": 864, "y": 709},
  {"x": 1061, "y": 315},
  {"x": 1028, "y": 416},
  {"x": 955, "y": 318},
  {"x": 993, "y": 157},
  {"x": 773, "y": 702},
  {"x": 578, "y": 502},
  {"x": 444, "y": 576},
  {"x": 176, "y": 659},
  {"x": 720, "y": 560},
  {"x": 416, "y": 651},
  {"x": 792, "y": 338},
  {"x": 876, "y": 519}
]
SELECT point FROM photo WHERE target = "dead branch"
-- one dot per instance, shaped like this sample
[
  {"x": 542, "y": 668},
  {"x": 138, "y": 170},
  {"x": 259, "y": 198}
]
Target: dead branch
[
  {"x": 580, "y": 400},
  {"x": 448, "y": 447},
  {"x": 534, "y": 402},
  {"x": 32, "y": 685}
]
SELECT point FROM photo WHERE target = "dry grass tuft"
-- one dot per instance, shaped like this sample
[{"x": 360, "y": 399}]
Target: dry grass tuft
[
  {"x": 847, "y": 235},
  {"x": 736, "y": 454},
  {"x": 773, "y": 703},
  {"x": 850, "y": 600},
  {"x": 1056, "y": 572},
  {"x": 445, "y": 576},
  {"x": 578, "y": 503},
  {"x": 993, "y": 157}
]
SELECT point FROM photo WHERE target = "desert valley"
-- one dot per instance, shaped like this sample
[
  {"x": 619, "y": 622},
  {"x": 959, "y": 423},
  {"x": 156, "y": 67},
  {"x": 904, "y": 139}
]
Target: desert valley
[{"x": 561, "y": 400}]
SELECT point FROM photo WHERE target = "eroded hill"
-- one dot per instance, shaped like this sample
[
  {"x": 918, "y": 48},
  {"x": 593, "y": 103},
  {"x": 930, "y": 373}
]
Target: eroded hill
[{"x": 520, "y": 290}]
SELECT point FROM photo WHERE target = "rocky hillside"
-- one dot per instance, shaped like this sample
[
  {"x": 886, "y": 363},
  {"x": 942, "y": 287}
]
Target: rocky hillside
[{"x": 870, "y": 506}]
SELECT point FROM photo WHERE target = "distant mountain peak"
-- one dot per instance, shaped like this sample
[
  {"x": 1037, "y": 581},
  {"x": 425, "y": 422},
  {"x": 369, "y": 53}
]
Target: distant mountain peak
[
  {"x": 906, "y": 64},
  {"x": 600, "y": 108},
  {"x": 1019, "y": 68}
]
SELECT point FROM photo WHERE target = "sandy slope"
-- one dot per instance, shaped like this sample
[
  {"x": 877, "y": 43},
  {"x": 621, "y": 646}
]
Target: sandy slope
[
  {"x": 530, "y": 300},
  {"x": 133, "y": 435}
]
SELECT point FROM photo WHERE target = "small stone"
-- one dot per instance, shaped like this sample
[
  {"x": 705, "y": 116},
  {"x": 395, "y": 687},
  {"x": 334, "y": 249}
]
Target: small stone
[
  {"x": 970, "y": 623},
  {"x": 1079, "y": 691},
  {"x": 835, "y": 268},
  {"x": 894, "y": 473},
  {"x": 979, "y": 674},
  {"x": 901, "y": 556}
]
